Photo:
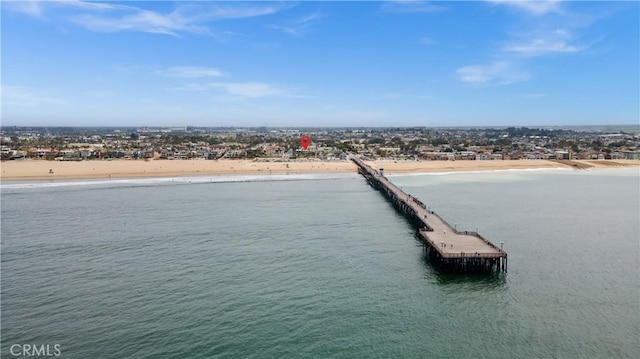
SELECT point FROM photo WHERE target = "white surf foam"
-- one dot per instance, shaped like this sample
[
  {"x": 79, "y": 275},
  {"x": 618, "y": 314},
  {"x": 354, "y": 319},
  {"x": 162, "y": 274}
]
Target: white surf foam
[
  {"x": 510, "y": 170},
  {"x": 150, "y": 181}
]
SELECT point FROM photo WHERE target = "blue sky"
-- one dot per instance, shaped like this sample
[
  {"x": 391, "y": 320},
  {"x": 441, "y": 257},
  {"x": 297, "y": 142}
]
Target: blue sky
[{"x": 315, "y": 63}]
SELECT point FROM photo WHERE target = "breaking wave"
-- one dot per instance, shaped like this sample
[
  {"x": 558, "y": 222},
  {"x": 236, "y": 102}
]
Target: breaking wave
[{"x": 151, "y": 181}]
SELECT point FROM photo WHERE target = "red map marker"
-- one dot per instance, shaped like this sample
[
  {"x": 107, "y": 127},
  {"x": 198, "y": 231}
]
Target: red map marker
[{"x": 305, "y": 141}]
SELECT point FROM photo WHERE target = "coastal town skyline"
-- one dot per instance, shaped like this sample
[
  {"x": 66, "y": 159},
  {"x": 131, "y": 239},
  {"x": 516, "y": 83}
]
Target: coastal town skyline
[
  {"x": 329, "y": 144},
  {"x": 319, "y": 64}
]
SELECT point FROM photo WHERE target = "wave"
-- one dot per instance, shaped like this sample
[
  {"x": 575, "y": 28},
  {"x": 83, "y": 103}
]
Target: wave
[
  {"x": 510, "y": 170},
  {"x": 151, "y": 181}
]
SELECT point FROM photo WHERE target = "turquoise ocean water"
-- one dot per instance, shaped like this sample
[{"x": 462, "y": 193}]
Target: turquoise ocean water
[{"x": 320, "y": 266}]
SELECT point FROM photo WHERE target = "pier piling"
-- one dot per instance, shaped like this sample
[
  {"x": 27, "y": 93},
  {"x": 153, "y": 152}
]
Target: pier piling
[{"x": 455, "y": 251}]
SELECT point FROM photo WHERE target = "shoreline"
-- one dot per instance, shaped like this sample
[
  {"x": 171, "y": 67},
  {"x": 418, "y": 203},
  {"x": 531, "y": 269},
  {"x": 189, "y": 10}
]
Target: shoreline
[{"x": 37, "y": 170}]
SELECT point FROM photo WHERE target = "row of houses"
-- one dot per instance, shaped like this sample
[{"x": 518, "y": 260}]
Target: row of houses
[
  {"x": 515, "y": 155},
  {"x": 201, "y": 150},
  {"x": 147, "y": 147}
]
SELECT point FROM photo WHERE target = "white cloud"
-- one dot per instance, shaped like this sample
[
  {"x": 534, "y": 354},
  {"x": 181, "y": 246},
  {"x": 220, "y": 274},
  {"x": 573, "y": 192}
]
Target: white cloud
[
  {"x": 538, "y": 47},
  {"x": 249, "y": 89},
  {"x": 242, "y": 89},
  {"x": 532, "y": 7},
  {"x": 143, "y": 21},
  {"x": 551, "y": 35},
  {"x": 231, "y": 10},
  {"x": 191, "y": 72},
  {"x": 556, "y": 42},
  {"x": 496, "y": 73},
  {"x": 286, "y": 29},
  {"x": 31, "y": 8},
  {"x": 38, "y": 8},
  {"x": 107, "y": 17}
]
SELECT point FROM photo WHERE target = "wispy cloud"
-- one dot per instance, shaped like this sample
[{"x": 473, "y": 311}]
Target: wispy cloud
[
  {"x": 546, "y": 36},
  {"x": 554, "y": 43},
  {"x": 194, "y": 80},
  {"x": 36, "y": 7},
  {"x": 143, "y": 21},
  {"x": 531, "y": 7},
  {"x": 411, "y": 6},
  {"x": 27, "y": 97},
  {"x": 539, "y": 47},
  {"x": 250, "y": 89},
  {"x": 311, "y": 17},
  {"x": 298, "y": 26},
  {"x": 39, "y": 8},
  {"x": 286, "y": 29},
  {"x": 108, "y": 17},
  {"x": 31, "y": 8},
  {"x": 242, "y": 89},
  {"x": 495, "y": 74},
  {"x": 191, "y": 72}
]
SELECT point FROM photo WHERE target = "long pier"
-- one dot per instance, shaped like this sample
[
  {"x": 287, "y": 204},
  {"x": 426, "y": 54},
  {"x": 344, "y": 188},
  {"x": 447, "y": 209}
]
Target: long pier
[{"x": 452, "y": 250}]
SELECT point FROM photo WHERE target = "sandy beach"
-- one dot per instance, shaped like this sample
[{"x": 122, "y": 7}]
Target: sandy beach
[{"x": 39, "y": 169}]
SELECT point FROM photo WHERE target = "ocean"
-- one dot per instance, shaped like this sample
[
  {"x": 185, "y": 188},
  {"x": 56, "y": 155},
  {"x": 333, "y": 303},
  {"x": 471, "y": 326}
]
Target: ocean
[{"x": 319, "y": 266}]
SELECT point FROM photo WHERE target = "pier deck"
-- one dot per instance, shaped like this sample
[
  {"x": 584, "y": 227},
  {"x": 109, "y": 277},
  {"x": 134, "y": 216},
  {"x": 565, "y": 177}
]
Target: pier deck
[{"x": 452, "y": 249}]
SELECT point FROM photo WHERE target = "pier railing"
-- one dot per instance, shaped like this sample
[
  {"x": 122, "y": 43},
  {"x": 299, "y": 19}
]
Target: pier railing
[
  {"x": 487, "y": 256},
  {"x": 469, "y": 233},
  {"x": 469, "y": 255}
]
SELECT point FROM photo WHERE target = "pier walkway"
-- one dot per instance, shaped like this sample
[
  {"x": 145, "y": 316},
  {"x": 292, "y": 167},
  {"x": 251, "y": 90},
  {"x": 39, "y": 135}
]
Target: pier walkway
[{"x": 453, "y": 250}]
